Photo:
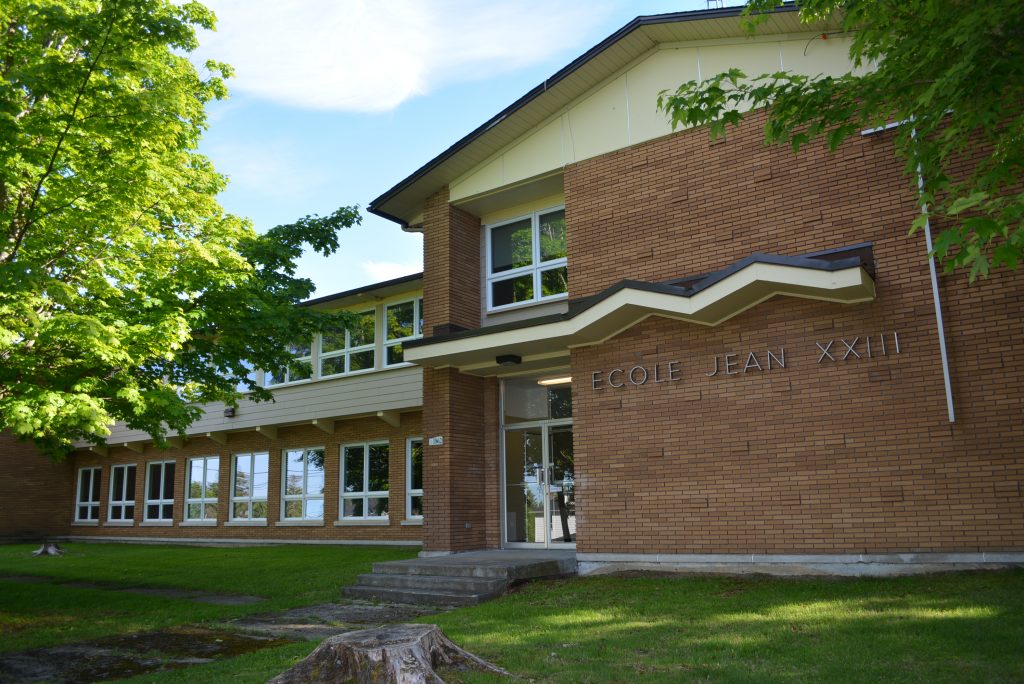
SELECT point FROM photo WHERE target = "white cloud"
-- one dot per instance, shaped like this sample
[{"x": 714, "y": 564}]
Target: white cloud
[
  {"x": 372, "y": 55},
  {"x": 386, "y": 270},
  {"x": 269, "y": 168}
]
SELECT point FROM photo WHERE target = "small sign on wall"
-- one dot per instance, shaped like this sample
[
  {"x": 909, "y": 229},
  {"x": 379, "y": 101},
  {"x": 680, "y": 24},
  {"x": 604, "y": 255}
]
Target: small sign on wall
[{"x": 435, "y": 441}]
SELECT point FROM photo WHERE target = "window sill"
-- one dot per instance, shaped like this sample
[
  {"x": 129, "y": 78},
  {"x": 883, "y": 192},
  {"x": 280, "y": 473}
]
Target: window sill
[
  {"x": 119, "y": 523},
  {"x": 156, "y": 523},
  {"x": 525, "y": 305},
  {"x": 362, "y": 522},
  {"x": 197, "y": 523},
  {"x": 245, "y": 523},
  {"x": 412, "y": 522},
  {"x": 86, "y": 523},
  {"x": 299, "y": 523}
]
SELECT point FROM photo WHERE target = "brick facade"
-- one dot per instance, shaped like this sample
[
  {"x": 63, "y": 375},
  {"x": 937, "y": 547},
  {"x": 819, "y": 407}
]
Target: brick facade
[
  {"x": 34, "y": 492},
  {"x": 346, "y": 432}
]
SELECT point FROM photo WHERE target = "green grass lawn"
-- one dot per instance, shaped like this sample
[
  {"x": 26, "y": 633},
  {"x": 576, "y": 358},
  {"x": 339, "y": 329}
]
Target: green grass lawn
[
  {"x": 939, "y": 628},
  {"x": 33, "y": 615}
]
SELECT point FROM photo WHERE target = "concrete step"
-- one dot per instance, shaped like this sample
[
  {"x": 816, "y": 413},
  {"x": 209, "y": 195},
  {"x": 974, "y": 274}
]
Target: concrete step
[
  {"x": 466, "y": 585},
  {"x": 497, "y": 570},
  {"x": 413, "y": 596}
]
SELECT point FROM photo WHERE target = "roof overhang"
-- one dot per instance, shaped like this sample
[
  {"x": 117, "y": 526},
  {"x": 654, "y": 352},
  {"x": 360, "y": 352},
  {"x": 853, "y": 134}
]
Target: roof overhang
[{"x": 709, "y": 300}]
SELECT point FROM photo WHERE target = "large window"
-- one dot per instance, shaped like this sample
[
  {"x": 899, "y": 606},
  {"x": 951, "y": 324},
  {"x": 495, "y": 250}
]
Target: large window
[
  {"x": 414, "y": 478},
  {"x": 526, "y": 260},
  {"x": 87, "y": 503},
  {"x": 203, "y": 486},
  {"x": 351, "y": 350},
  {"x": 364, "y": 481},
  {"x": 303, "y": 484},
  {"x": 403, "y": 322},
  {"x": 249, "y": 476},
  {"x": 160, "y": 491},
  {"x": 299, "y": 369},
  {"x": 122, "y": 494}
]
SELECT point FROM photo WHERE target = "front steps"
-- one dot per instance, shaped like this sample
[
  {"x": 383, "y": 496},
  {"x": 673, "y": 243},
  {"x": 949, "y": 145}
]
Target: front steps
[{"x": 460, "y": 579}]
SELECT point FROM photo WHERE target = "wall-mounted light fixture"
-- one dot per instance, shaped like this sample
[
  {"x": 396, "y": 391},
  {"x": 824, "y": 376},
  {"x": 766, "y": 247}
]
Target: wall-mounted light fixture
[
  {"x": 229, "y": 412},
  {"x": 508, "y": 360}
]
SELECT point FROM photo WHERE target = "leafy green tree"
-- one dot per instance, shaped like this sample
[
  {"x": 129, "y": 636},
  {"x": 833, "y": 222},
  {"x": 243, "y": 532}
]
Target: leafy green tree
[
  {"x": 126, "y": 293},
  {"x": 952, "y": 73}
]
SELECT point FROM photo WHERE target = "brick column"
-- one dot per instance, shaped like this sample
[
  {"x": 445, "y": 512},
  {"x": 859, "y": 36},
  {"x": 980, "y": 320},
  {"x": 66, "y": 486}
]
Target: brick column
[{"x": 451, "y": 267}]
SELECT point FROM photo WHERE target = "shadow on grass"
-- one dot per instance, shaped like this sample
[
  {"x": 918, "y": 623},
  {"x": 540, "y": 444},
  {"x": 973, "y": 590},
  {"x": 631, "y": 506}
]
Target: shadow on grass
[{"x": 965, "y": 627}]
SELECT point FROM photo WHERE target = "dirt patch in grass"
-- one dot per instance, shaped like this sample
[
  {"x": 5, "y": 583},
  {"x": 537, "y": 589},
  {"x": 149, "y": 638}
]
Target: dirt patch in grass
[{"x": 130, "y": 655}]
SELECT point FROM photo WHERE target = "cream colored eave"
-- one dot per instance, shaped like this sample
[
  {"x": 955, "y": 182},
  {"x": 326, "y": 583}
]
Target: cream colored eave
[{"x": 719, "y": 302}]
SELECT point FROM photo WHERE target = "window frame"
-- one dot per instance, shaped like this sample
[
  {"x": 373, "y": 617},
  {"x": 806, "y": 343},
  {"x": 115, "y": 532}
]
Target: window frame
[
  {"x": 365, "y": 493},
  {"x": 122, "y": 502},
  {"x": 205, "y": 499},
  {"x": 417, "y": 329},
  {"x": 250, "y": 500},
  {"x": 409, "y": 491},
  {"x": 308, "y": 358},
  {"x": 535, "y": 268},
  {"x": 303, "y": 497},
  {"x": 162, "y": 501},
  {"x": 92, "y": 505},
  {"x": 348, "y": 350}
]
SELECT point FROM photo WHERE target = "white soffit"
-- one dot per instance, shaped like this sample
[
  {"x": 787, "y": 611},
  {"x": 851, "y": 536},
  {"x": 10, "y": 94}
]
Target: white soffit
[{"x": 632, "y": 303}]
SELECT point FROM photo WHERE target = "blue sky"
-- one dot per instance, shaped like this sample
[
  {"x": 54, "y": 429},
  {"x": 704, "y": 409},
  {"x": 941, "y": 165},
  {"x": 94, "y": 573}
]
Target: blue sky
[{"x": 335, "y": 101}]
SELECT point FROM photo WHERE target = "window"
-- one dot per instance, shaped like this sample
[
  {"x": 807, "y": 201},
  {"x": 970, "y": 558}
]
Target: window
[
  {"x": 403, "y": 322},
  {"x": 160, "y": 491},
  {"x": 414, "y": 477},
  {"x": 526, "y": 260},
  {"x": 299, "y": 369},
  {"x": 348, "y": 351},
  {"x": 249, "y": 486},
  {"x": 364, "y": 481},
  {"x": 304, "y": 484},
  {"x": 122, "y": 493},
  {"x": 202, "y": 488},
  {"x": 88, "y": 502}
]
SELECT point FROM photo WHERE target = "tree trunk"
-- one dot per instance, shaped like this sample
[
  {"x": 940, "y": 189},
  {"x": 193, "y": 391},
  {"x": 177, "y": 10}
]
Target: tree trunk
[
  {"x": 396, "y": 654},
  {"x": 48, "y": 549}
]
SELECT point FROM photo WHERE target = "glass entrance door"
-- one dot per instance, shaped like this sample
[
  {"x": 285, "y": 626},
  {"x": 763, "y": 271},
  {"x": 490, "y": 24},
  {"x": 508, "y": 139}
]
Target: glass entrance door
[{"x": 540, "y": 496}]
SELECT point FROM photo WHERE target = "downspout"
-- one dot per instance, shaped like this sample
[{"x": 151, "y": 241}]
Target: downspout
[{"x": 941, "y": 328}]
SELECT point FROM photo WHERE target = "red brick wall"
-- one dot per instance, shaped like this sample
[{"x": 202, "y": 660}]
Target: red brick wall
[
  {"x": 349, "y": 431},
  {"x": 34, "y": 492},
  {"x": 451, "y": 265},
  {"x": 845, "y": 456}
]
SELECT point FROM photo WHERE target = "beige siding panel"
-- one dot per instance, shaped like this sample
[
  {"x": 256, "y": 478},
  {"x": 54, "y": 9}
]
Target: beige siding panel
[
  {"x": 537, "y": 154},
  {"x": 480, "y": 180},
  {"x": 752, "y": 58},
  {"x": 662, "y": 70},
  {"x": 391, "y": 390},
  {"x": 599, "y": 124},
  {"x": 815, "y": 56}
]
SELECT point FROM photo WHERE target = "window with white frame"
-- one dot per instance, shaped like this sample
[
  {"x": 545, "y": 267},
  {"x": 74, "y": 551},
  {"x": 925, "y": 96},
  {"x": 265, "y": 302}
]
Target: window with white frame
[
  {"x": 122, "y": 493},
  {"x": 249, "y": 477},
  {"x": 526, "y": 259},
  {"x": 298, "y": 370},
  {"x": 160, "y": 491},
  {"x": 364, "y": 481},
  {"x": 202, "y": 488},
  {"x": 87, "y": 502},
  {"x": 414, "y": 478},
  {"x": 303, "y": 497},
  {"x": 349, "y": 350},
  {"x": 403, "y": 321}
]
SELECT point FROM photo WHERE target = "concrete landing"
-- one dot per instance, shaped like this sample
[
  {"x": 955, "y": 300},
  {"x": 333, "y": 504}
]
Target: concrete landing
[{"x": 460, "y": 579}]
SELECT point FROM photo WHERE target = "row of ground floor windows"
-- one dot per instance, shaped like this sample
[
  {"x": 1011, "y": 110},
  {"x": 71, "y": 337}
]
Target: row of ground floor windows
[{"x": 365, "y": 486}]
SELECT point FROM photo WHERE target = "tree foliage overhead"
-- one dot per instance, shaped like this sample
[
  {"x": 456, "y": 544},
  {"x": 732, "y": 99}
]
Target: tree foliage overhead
[
  {"x": 126, "y": 292},
  {"x": 951, "y": 72}
]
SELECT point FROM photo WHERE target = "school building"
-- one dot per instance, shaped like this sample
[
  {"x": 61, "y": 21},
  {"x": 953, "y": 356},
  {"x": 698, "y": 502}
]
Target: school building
[{"x": 655, "y": 348}]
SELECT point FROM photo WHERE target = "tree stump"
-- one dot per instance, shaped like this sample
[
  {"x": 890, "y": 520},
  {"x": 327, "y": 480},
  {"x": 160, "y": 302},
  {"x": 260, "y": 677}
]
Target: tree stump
[
  {"x": 396, "y": 654},
  {"x": 48, "y": 549}
]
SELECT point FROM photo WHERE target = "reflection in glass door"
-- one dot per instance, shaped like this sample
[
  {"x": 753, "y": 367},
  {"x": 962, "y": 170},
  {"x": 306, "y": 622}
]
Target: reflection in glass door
[{"x": 540, "y": 497}]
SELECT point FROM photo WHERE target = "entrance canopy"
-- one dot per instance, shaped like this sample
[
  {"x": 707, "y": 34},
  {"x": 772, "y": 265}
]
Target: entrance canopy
[{"x": 844, "y": 276}]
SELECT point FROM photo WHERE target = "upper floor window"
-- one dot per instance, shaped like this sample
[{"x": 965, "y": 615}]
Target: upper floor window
[
  {"x": 403, "y": 322},
  {"x": 299, "y": 369},
  {"x": 351, "y": 350},
  {"x": 526, "y": 260}
]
